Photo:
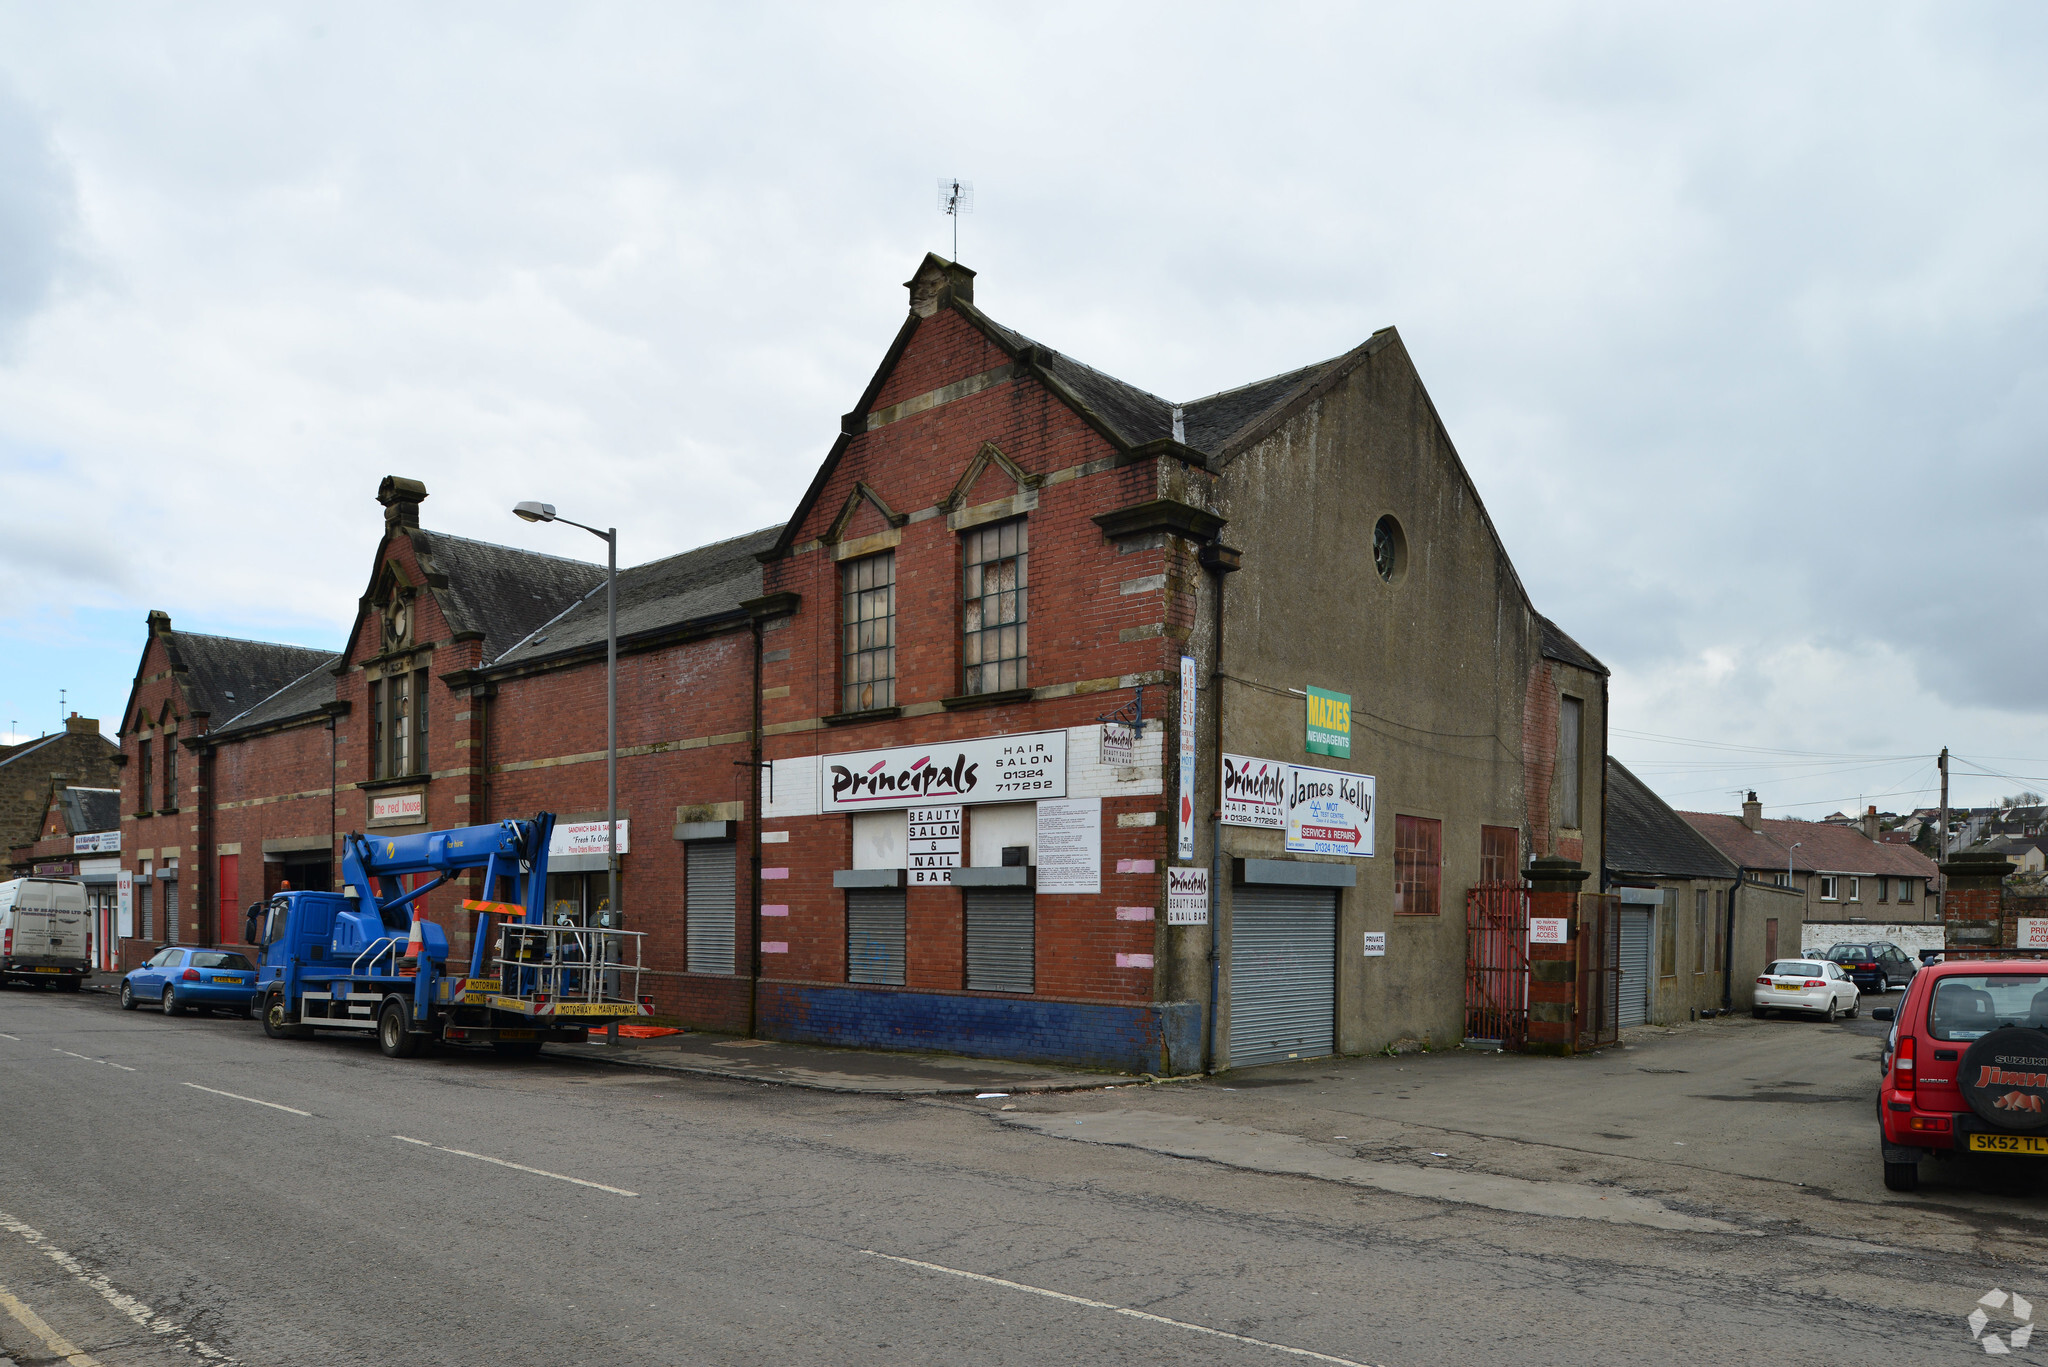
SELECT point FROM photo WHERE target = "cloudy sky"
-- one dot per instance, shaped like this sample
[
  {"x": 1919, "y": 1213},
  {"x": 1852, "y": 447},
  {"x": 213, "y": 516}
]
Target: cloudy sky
[{"x": 1736, "y": 313}]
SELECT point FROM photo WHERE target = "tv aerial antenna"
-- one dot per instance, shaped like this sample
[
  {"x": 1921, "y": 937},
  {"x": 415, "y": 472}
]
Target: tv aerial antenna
[{"x": 956, "y": 197}]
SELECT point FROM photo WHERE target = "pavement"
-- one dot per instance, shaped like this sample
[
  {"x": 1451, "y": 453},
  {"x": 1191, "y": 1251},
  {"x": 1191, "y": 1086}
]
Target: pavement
[
  {"x": 185, "y": 1190},
  {"x": 837, "y": 1070}
]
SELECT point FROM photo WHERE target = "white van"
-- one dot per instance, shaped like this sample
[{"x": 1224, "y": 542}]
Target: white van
[{"x": 45, "y": 935}]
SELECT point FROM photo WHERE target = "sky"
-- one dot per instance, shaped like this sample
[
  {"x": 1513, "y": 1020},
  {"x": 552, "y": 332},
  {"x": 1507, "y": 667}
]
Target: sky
[{"x": 1736, "y": 313}]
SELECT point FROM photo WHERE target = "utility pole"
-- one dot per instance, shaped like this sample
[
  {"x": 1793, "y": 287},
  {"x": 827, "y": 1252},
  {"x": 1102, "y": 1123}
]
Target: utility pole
[{"x": 1941, "y": 836}]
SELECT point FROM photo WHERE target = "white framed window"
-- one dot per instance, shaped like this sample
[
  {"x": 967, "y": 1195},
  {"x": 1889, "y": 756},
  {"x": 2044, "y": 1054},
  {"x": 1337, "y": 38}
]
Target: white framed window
[
  {"x": 1828, "y": 885},
  {"x": 1855, "y": 889}
]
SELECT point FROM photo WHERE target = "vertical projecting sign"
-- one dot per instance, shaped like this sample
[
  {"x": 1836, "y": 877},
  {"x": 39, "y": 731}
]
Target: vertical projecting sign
[
  {"x": 1329, "y": 723},
  {"x": 934, "y": 850},
  {"x": 1187, "y": 757}
]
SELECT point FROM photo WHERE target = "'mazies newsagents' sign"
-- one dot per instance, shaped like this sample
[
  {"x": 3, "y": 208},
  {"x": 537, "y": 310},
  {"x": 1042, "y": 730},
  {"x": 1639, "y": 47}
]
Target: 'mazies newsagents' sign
[{"x": 987, "y": 769}]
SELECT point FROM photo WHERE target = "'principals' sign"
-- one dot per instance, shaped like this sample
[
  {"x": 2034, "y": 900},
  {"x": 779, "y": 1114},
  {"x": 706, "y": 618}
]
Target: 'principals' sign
[
  {"x": 1254, "y": 792},
  {"x": 986, "y": 769}
]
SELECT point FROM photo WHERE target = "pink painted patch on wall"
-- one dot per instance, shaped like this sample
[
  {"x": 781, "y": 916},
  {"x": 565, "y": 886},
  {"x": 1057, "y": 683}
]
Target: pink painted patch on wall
[
  {"x": 780, "y": 947},
  {"x": 774, "y": 910},
  {"x": 1134, "y": 961},
  {"x": 1134, "y": 866},
  {"x": 775, "y": 873},
  {"x": 1134, "y": 913}
]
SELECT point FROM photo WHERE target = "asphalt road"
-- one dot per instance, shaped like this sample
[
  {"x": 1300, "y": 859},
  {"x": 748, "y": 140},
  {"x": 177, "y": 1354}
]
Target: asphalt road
[{"x": 179, "y": 1190}]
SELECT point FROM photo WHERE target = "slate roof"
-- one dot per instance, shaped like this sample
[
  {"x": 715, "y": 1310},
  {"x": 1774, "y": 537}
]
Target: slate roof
[
  {"x": 1558, "y": 646},
  {"x": 708, "y": 582},
  {"x": 306, "y": 694},
  {"x": 1823, "y": 848},
  {"x": 225, "y": 675},
  {"x": 29, "y": 747},
  {"x": 502, "y": 592},
  {"x": 90, "y": 809},
  {"x": 1135, "y": 415},
  {"x": 1210, "y": 422},
  {"x": 1644, "y": 836}
]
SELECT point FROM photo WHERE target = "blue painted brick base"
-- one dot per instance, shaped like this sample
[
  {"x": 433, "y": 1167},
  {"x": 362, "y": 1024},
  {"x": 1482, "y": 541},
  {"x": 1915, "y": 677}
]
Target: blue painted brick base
[{"x": 1164, "y": 1038}]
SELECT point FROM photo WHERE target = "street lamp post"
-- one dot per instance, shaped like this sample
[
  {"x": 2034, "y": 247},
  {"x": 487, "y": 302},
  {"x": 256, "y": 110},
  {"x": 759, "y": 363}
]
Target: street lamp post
[
  {"x": 545, "y": 512},
  {"x": 1788, "y": 862}
]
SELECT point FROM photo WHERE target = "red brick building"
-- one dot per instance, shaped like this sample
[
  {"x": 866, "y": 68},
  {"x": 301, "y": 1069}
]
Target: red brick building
[{"x": 882, "y": 775}]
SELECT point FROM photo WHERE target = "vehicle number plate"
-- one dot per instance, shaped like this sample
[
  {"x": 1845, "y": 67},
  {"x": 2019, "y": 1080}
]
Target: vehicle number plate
[
  {"x": 49, "y": 970},
  {"x": 515, "y": 1034},
  {"x": 2034, "y": 1144},
  {"x": 219, "y": 979},
  {"x": 1788, "y": 987}
]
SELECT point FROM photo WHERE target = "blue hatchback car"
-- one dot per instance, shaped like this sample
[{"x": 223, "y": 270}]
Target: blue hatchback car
[{"x": 202, "y": 979}]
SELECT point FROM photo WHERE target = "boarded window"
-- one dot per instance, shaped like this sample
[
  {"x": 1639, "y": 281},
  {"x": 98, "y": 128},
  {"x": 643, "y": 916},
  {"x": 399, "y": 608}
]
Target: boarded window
[
  {"x": 1570, "y": 761},
  {"x": 1418, "y": 865},
  {"x": 1667, "y": 935},
  {"x": 170, "y": 802},
  {"x": 1702, "y": 929},
  {"x": 145, "y": 775},
  {"x": 868, "y": 653},
  {"x": 230, "y": 893},
  {"x": 993, "y": 623},
  {"x": 1500, "y": 854}
]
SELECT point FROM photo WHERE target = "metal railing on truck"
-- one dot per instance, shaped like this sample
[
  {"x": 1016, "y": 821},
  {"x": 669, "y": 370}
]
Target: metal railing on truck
[{"x": 568, "y": 971}]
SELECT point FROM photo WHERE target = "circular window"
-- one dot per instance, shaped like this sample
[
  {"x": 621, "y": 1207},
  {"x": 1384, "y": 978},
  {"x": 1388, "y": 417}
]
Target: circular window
[{"x": 1389, "y": 549}]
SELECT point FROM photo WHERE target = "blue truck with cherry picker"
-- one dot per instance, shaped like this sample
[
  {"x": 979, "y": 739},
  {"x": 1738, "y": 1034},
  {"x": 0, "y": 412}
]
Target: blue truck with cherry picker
[{"x": 364, "y": 960}]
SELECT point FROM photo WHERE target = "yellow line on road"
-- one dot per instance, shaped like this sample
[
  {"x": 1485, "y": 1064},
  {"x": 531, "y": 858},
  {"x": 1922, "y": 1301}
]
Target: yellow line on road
[
  {"x": 64, "y": 1348},
  {"x": 1008, "y": 1285}
]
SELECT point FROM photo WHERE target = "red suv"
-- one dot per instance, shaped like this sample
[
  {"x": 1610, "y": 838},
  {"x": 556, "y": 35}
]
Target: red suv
[{"x": 1966, "y": 1065}]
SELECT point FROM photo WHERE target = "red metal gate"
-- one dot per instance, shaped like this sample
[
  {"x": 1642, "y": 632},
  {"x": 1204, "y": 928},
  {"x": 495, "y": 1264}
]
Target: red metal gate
[
  {"x": 1599, "y": 937},
  {"x": 1497, "y": 963}
]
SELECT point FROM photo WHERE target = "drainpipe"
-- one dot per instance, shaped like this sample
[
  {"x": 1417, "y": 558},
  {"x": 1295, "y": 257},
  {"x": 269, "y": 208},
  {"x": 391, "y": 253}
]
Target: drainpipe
[
  {"x": 1220, "y": 560},
  {"x": 1728, "y": 949},
  {"x": 753, "y": 818}
]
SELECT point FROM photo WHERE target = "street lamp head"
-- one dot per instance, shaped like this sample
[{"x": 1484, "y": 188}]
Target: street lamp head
[{"x": 535, "y": 512}]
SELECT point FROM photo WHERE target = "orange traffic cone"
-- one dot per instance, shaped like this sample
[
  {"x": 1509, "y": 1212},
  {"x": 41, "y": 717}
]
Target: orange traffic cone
[{"x": 409, "y": 965}]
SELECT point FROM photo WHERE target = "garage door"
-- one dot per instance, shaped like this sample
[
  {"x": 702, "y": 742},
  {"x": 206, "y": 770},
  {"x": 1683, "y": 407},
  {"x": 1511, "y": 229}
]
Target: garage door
[
  {"x": 1001, "y": 936},
  {"x": 1635, "y": 966},
  {"x": 709, "y": 894},
  {"x": 874, "y": 935},
  {"x": 1283, "y": 974}
]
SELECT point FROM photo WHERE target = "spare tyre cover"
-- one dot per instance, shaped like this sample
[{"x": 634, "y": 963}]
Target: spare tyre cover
[{"x": 2004, "y": 1078}]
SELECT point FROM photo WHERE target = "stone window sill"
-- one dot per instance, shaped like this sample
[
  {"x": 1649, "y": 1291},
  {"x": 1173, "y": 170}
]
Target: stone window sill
[
  {"x": 869, "y": 714},
  {"x": 407, "y": 780},
  {"x": 986, "y": 699}
]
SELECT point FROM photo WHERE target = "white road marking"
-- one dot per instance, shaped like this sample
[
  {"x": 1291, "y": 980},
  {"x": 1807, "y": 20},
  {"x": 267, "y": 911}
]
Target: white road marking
[
  {"x": 250, "y": 1099},
  {"x": 1309, "y": 1353},
  {"x": 5, "y": 1035},
  {"x": 538, "y": 1172},
  {"x": 64, "y": 1348},
  {"x": 88, "y": 1058},
  {"x": 134, "y": 1309}
]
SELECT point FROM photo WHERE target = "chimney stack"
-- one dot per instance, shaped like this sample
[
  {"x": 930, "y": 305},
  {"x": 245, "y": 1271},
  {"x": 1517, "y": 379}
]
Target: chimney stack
[
  {"x": 1753, "y": 813},
  {"x": 82, "y": 726},
  {"x": 1869, "y": 824},
  {"x": 939, "y": 282},
  {"x": 401, "y": 499}
]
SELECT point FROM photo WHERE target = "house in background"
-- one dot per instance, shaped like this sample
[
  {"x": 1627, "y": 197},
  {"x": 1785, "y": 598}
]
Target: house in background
[
  {"x": 80, "y": 838},
  {"x": 1850, "y": 884},
  {"x": 2029, "y": 854},
  {"x": 1681, "y": 950}
]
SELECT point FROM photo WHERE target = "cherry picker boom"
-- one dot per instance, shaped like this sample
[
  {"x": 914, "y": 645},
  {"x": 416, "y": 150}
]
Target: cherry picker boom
[{"x": 364, "y": 960}]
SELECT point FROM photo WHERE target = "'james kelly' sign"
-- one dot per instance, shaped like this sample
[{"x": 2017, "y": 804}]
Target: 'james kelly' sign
[
  {"x": 1329, "y": 811},
  {"x": 986, "y": 769}
]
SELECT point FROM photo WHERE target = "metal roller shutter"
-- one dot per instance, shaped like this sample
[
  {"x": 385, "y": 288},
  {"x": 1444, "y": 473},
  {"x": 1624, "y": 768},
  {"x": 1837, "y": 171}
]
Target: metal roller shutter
[
  {"x": 1635, "y": 966},
  {"x": 709, "y": 904},
  {"x": 1283, "y": 974},
  {"x": 1001, "y": 934},
  {"x": 874, "y": 935}
]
